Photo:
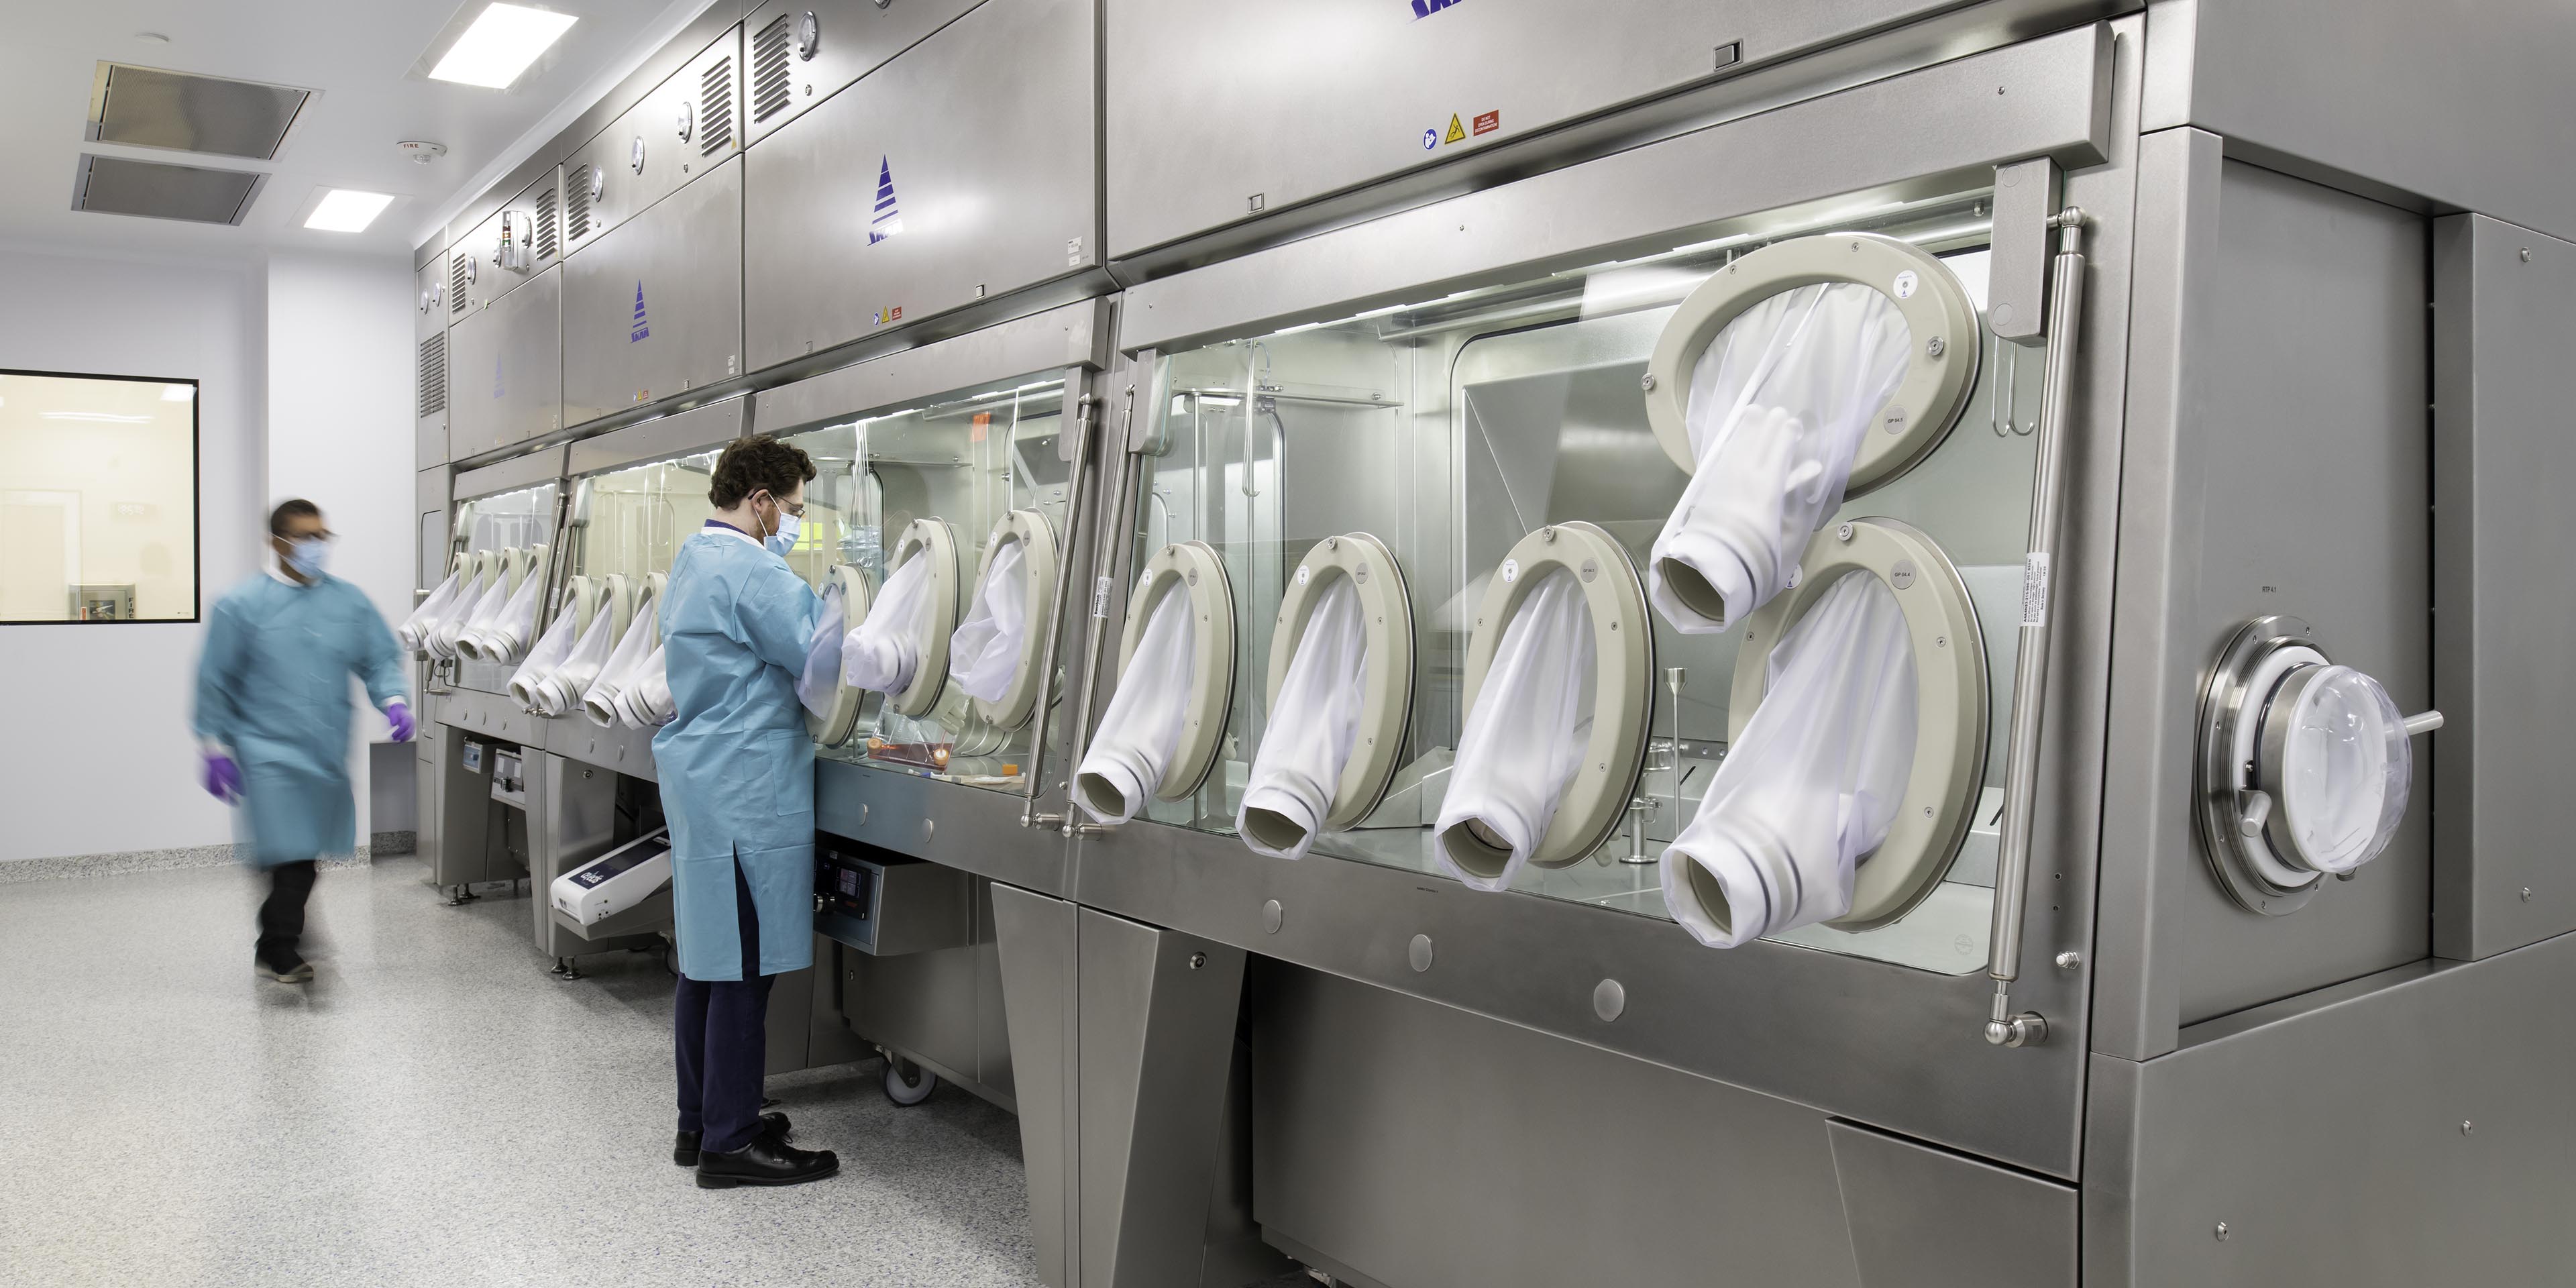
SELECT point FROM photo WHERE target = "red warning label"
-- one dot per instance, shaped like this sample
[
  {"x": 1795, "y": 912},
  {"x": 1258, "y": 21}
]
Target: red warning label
[{"x": 1488, "y": 122}]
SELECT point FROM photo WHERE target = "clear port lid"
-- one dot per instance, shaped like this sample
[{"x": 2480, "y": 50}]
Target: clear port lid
[{"x": 2345, "y": 767}]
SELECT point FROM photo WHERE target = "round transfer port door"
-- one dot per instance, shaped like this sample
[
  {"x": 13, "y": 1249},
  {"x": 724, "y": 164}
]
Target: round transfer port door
[
  {"x": 2305, "y": 767},
  {"x": 835, "y": 727},
  {"x": 1492, "y": 787}
]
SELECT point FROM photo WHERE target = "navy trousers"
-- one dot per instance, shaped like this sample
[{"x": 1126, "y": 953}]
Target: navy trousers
[{"x": 721, "y": 1042}]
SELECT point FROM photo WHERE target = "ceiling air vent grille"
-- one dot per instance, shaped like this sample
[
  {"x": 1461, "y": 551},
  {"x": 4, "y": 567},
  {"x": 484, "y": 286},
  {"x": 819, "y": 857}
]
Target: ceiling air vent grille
[
  {"x": 546, "y": 225},
  {"x": 715, "y": 108},
  {"x": 769, "y": 87},
  {"x": 147, "y": 107},
  {"x": 577, "y": 203},
  {"x": 154, "y": 189},
  {"x": 433, "y": 375},
  {"x": 456, "y": 282}
]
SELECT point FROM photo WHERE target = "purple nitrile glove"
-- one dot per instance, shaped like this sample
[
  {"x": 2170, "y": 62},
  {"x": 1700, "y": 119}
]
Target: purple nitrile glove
[
  {"x": 222, "y": 777},
  {"x": 399, "y": 712}
]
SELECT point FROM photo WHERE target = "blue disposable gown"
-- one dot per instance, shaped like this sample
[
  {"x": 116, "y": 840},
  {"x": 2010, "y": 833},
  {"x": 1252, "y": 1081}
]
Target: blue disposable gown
[
  {"x": 273, "y": 689},
  {"x": 736, "y": 764}
]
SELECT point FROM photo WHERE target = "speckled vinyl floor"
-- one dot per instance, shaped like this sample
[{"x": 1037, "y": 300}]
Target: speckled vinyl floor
[{"x": 435, "y": 1110}]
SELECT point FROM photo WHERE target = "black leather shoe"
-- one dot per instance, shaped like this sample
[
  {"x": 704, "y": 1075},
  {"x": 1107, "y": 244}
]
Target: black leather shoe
[
  {"x": 765, "y": 1162},
  {"x": 684, "y": 1147}
]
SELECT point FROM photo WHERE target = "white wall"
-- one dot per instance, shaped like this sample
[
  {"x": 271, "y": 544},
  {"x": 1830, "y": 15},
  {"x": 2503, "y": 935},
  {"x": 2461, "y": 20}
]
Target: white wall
[
  {"x": 306, "y": 364},
  {"x": 98, "y": 757},
  {"x": 340, "y": 428}
]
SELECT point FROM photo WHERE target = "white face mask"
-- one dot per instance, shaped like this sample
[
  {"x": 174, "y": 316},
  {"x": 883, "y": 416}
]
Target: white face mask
[{"x": 308, "y": 557}]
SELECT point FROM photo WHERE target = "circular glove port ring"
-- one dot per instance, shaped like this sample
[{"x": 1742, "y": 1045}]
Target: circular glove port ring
[
  {"x": 1949, "y": 766},
  {"x": 1386, "y": 610},
  {"x": 835, "y": 729},
  {"x": 2252, "y": 813},
  {"x": 615, "y": 595},
  {"x": 934, "y": 540},
  {"x": 1938, "y": 377},
  {"x": 1038, "y": 554},
  {"x": 1192, "y": 568},
  {"x": 581, "y": 599},
  {"x": 1595, "y": 803}
]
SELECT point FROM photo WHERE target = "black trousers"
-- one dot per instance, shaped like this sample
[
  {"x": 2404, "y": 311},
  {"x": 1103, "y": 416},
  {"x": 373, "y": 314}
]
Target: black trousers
[
  {"x": 281, "y": 915},
  {"x": 720, "y": 1032}
]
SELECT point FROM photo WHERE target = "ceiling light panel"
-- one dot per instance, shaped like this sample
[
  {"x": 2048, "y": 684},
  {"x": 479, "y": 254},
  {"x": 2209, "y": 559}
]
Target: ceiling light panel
[
  {"x": 347, "y": 210},
  {"x": 500, "y": 44}
]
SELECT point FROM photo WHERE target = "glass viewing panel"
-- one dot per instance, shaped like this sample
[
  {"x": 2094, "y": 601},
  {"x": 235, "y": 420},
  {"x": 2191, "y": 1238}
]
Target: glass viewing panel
[
  {"x": 98, "y": 499},
  {"x": 629, "y": 521},
  {"x": 968, "y": 458},
  {"x": 521, "y": 520},
  {"x": 1451, "y": 430}
]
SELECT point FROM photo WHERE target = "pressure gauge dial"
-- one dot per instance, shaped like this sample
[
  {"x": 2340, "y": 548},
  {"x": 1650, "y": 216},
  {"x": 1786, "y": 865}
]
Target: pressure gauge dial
[
  {"x": 688, "y": 119},
  {"x": 809, "y": 34},
  {"x": 598, "y": 183},
  {"x": 2305, "y": 767},
  {"x": 635, "y": 157}
]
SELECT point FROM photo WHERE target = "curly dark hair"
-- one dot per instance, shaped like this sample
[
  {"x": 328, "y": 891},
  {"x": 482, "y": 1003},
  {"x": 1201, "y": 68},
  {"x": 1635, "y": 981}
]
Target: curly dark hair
[{"x": 755, "y": 465}]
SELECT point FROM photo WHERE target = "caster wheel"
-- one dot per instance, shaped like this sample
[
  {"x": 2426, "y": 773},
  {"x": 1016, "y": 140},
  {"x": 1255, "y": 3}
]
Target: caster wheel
[{"x": 908, "y": 1084}]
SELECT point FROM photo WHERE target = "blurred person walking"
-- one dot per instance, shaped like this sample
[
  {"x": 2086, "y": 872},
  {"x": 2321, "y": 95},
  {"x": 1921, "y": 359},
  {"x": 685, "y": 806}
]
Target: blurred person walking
[{"x": 273, "y": 716}]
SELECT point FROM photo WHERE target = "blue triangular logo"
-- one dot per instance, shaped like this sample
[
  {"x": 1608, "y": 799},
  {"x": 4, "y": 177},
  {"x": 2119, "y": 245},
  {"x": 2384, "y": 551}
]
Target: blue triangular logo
[
  {"x": 641, "y": 330},
  {"x": 887, "y": 221}
]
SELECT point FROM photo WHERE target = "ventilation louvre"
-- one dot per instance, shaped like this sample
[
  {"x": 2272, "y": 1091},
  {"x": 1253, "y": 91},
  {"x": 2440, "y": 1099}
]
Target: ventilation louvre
[
  {"x": 577, "y": 203},
  {"x": 769, "y": 87},
  {"x": 148, "y": 107},
  {"x": 715, "y": 108},
  {"x": 433, "y": 375},
  {"x": 159, "y": 190},
  {"x": 456, "y": 283},
  {"x": 546, "y": 226}
]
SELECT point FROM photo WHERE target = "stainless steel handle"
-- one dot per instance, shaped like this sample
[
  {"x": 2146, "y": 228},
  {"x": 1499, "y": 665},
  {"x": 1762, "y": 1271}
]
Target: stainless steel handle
[
  {"x": 2005, "y": 1026},
  {"x": 1084, "y": 477}
]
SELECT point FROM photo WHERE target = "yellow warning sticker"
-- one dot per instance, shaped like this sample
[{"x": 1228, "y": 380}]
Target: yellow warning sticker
[{"x": 1457, "y": 130}]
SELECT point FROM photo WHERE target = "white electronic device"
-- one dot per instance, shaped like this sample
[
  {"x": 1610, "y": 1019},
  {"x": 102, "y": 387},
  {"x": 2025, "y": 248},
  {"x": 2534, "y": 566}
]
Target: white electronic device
[{"x": 615, "y": 881}]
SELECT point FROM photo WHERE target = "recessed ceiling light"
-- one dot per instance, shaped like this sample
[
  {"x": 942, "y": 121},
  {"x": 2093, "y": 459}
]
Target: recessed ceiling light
[
  {"x": 504, "y": 39},
  {"x": 345, "y": 210},
  {"x": 103, "y": 417},
  {"x": 178, "y": 393}
]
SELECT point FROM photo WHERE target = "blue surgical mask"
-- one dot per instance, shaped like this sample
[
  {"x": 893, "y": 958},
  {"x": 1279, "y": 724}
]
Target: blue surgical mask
[
  {"x": 784, "y": 540},
  {"x": 308, "y": 557}
]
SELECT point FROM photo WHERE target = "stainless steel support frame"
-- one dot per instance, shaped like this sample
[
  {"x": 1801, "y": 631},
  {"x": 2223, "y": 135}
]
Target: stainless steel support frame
[
  {"x": 2005, "y": 1026},
  {"x": 1134, "y": 1095}
]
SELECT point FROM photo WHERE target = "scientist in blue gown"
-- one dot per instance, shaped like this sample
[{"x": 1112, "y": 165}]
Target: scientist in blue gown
[
  {"x": 273, "y": 718},
  {"x": 737, "y": 772}
]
